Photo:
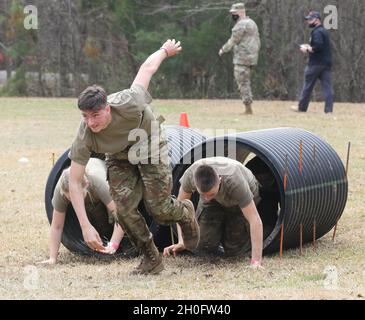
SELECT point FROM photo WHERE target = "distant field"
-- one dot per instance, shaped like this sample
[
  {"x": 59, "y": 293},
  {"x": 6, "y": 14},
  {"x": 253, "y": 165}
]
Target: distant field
[{"x": 36, "y": 128}]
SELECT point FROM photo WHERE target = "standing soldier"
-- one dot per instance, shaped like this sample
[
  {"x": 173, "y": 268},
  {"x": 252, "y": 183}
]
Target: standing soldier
[{"x": 245, "y": 42}]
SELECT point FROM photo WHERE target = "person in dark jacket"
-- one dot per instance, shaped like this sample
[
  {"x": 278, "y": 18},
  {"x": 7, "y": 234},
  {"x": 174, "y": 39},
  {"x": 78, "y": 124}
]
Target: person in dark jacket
[{"x": 319, "y": 65}]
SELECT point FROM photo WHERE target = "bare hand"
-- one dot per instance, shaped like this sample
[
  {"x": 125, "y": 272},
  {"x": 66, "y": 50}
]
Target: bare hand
[
  {"x": 174, "y": 249},
  {"x": 305, "y": 48},
  {"x": 50, "y": 261},
  {"x": 111, "y": 248},
  {"x": 92, "y": 238},
  {"x": 220, "y": 52},
  {"x": 256, "y": 265},
  {"x": 172, "y": 47}
]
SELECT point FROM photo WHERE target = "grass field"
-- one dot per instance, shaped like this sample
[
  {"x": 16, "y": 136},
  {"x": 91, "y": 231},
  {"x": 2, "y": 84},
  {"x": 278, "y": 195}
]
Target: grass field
[{"x": 36, "y": 128}]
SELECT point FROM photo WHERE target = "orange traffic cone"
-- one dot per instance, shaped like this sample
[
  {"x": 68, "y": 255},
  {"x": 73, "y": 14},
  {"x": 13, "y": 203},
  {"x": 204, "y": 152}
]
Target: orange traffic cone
[{"x": 184, "y": 122}]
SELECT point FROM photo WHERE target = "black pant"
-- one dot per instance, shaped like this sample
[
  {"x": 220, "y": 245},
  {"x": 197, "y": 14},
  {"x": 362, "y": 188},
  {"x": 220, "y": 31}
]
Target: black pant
[{"x": 312, "y": 73}]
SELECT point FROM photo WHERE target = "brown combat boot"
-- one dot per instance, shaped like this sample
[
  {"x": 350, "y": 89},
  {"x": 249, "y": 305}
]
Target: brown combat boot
[
  {"x": 189, "y": 226},
  {"x": 248, "y": 109},
  {"x": 151, "y": 262}
]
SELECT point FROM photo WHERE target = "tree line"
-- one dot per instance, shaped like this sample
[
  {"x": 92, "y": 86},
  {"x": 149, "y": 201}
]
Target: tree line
[{"x": 80, "y": 42}]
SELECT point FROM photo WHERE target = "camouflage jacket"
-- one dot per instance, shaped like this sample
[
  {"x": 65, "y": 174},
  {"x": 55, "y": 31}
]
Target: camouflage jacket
[{"x": 245, "y": 42}]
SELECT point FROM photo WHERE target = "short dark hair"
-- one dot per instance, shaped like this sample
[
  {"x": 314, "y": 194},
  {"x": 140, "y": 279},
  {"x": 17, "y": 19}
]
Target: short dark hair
[
  {"x": 205, "y": 178},
  {"x": 92, "y": 98}
]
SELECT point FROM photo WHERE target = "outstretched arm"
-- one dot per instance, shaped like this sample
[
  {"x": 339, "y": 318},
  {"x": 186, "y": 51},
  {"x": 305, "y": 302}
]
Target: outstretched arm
[
  {"x": 256, "y": 231},
  {"x": 89, "y": 233},
  {"x": 58, "y": 221},
  {"x": 153, "y": 62},
  {"x": 175, "y": 248},
  {"x": 118, "y": 232},
  {"x": 237, "y": 35}
]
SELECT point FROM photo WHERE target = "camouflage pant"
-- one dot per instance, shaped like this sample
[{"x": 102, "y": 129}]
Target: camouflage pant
[
  {"x": 152, "y": 183},
  {"x": 242, "y": 75},
  {"x": 220, "y": 225}
]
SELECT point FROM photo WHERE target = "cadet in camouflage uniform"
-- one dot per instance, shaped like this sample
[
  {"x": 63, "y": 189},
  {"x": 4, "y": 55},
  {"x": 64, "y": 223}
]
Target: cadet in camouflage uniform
[
  {"x": 245, "y": 42},
  {"x": 97, "y": 203},
  {"x": 136, "y": 170},
  {"x": 226, "y": 212}
]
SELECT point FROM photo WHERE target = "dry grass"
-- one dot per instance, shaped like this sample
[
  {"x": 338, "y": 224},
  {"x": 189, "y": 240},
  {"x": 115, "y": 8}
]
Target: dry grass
[{"x": 36, "y": 128}]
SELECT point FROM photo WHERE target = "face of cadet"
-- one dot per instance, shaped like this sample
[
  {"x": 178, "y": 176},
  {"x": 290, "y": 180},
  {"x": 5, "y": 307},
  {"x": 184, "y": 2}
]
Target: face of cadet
[
  {"x": 210, "y": 195},
  {"x": 97, "y": 120}
]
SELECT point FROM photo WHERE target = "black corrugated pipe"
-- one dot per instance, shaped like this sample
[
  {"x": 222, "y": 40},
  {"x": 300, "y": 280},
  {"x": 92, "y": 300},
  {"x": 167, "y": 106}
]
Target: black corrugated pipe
[
  {"x": 316, "y": 187},
  {"x": 316, "y": 183},
  {"x": 180, "y": 141}
]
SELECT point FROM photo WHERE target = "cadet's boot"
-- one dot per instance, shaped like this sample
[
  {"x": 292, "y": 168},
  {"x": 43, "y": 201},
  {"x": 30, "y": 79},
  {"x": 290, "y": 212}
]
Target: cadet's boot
[
  {"x": 151, "y": 262},
  {"x": 248, "y": 108},
  {"x": 189, "y": 226}
]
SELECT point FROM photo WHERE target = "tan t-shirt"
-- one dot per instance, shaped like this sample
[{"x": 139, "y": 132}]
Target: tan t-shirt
[
  {"x": 238, "y": 185},
  {"x": 130, "y": 110},
  {"x": 98, "y": 190}
]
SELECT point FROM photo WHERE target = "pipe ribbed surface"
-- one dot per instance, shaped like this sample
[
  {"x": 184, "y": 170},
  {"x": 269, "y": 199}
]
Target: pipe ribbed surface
[{"x": 316, "y": 184}]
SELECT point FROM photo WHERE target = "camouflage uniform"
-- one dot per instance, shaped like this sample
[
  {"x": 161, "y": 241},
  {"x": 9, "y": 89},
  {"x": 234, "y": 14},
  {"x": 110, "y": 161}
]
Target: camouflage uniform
[
  {"x": 242, "y": 75},
  {"x": 129, "y": 184},
  {"x": 221, "y": 220},
  {"x": 245, "y": 42},
  {"x": 137, "y": 170},
  {"x": 222, "y": 225},
  {"x": 96, "y": 200}
]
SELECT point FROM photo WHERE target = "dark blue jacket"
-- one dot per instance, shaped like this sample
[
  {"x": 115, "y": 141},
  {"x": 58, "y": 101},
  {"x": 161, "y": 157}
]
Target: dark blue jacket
[{"x": 320, "y": 42}]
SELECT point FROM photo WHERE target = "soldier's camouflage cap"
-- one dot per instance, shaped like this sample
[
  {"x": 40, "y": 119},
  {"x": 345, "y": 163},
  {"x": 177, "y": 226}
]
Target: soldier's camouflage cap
[{"x": 237, "y": 6}]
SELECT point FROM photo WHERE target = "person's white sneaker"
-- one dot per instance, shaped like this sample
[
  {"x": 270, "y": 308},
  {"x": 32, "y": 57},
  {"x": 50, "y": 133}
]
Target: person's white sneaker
[{"x": 296, "y": 109}]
